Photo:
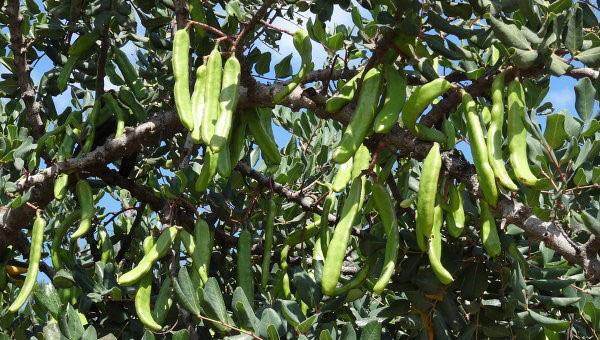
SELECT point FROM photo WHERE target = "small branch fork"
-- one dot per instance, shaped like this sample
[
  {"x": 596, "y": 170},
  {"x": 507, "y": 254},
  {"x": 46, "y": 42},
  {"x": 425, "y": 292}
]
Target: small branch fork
[{"x": 238, "y": 44}]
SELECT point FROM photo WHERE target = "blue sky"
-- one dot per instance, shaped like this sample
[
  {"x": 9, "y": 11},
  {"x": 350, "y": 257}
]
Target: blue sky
[{"x": 561, "y": 93}]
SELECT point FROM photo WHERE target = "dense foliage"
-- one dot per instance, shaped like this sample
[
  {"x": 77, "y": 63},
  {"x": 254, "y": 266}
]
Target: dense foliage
[{"x": 425, "y": 187}]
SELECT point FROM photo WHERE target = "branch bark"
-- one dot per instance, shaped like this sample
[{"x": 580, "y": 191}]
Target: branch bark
[
  {"x": 255, "y": 94},
  {"x": 19, "y": 47}
]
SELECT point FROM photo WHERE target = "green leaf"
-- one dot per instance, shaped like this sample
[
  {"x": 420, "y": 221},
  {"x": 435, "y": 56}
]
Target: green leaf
[
  {"x": 283, "y": 69},
  {"x": 585, "y": 94},
  {"x": 236, "y": 9},
  {"x": 440, "y": 328},
  {"x": 242, "y": 310},
  {"x": 306, "y": 325},
  {"x": 270, "y": 319},
  {"x": 572, "y": 126},
  {"x": 558, "y": 66},
  {"x": 357, "y": 17},
  {"x": 51, "y": 331},
  {"x": 555, "y": 133},
  {"x": 8, "y": 87},
  {"x": 263, "y": 64},
  {"x": 90, "y": 334},
  {"x": 212, "y": 301},
  {"x": 181, "y": 334},
  {"x": 348, "y": 332},
  {"x": 590, "y": 58},
  {"x": 592, "y": 314},
  {"x": 550, "y": 323},
  {"x": 70, "y": 324},
  {"x": 584, "y": 153},
  {"x": 47, "y": 296},
  {"x": 316, "y": 30},
  {"x": 558, "y": 6},
  {"x": 553, "y": 301},
  {"x": 591, "y": 128},
  {"x": 580, "y": 177},
  {"x": 325, "y": 335},
  {"x": 335, "y": 42},
  {"x": 307, "y": 289},
  {"x": 523, "y": 58},
  {"x": 552, "y": 284},
  {"x": 291, "y": 312},
  {"x": 371, "y": 331},
  {"x": 574, "y": 30},
  {"x": 186, "y": 292},
  {"x": 148, "y": 335},
  {"x": 63, "y": 279},
  {"x": 509, "y": 34},
  {"x": 518, "y": 284}
]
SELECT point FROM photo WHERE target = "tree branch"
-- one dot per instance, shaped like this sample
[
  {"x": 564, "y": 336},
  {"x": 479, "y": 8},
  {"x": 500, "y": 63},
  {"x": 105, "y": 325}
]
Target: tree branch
[
  {"x": 307, "y": 202},
  {"x": 19, "y": 48},
  {"x": 238, "y": 45},
  {"x": 261, "y": 95},
  {"x": 101, "y": 71},
  {"x": 181, "y": 13}
]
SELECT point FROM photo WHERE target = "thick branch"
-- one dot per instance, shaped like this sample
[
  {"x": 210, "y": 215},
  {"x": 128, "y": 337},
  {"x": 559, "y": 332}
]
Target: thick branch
[
  {"x": 261, "y": 95},
  {"x": 148, "y": 133},
  {"x": 181, "y": 13},
  {"x": 19, "y": 48}
]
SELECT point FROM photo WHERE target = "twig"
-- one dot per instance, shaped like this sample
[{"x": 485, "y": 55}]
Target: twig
[
  {"x": 238, "y": 44},
  {"x": 254, "y": 336},
  {"x": 209, "y": 28},
  {"x": 117, "y": 213},
  {"x": 275, "y": 28},
  {"x": 583, "y": 187}
]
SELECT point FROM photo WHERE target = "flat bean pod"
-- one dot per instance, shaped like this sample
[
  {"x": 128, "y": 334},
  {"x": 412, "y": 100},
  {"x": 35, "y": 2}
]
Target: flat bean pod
[
  {"x": 435, "y": 250},
  {"x": 416, "y": 104},
  {"x": 181, "y": 90},
  {"x": 143, "y": 295},
  {"x": 517, "y": 135},
  {"x": 208, "y": 171},
  {"x": 214, "y": 75},
  {"x": 158, "y": 250},
  {"x": 336, "y": 250},
  {"x": 428, "y": 186},
  {"x": 245, "y": 279},
  {"x": 86, "y": 206},
  {"x": 395, "y": 97},
  {"x": 346, "y": 93},
  {"x": 342, "y": 176},
  {"x": 361, "y": 120},
  {"x": 59, "y": 235},
  {"x": 35, "y": 254},
  {"x": 268, "y": 244},
  {"x": 227, "y": 104},
  {"x": 456, "y": 212},
  {"x": 489, "y": 232},
  {"x": 198, "y": 106},
  {"x": 266, "y": 143},
  {"x": 485, "y": 173},
  {"x": 385, "y": 207},
  {"x": 494, "y": 134}
]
